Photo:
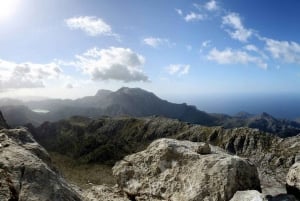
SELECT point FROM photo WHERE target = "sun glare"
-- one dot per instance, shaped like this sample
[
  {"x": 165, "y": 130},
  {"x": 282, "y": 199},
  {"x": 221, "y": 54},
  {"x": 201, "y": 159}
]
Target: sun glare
[{"x": 8, "y": 8}]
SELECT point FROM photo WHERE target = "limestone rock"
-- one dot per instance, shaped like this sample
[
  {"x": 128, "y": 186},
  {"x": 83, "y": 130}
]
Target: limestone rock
[
  {"x": 250, "y": 195},
  {"x": 103, "y": 192},
  {"x": 25, "y": 170},
  {"x": 293, "y": 180},
  {"x": 174, "y": 170}
]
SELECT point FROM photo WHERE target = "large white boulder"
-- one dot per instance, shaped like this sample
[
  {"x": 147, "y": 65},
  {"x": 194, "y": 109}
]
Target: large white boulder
[{"x": 182, "y": 170}]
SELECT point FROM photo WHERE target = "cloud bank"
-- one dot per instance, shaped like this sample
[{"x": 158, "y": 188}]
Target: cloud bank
[{"x": 114, "y": 63}]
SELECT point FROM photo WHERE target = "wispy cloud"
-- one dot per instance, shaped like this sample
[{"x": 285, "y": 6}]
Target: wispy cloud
[
  {"x": 211, "y": 5},
  {"x": 26, "y": 75},
  {"x": 114, "y": 63},
  {"x": 237, "y": 30},
  {"x": 204, "y": 45},
  {"x": 193, "y": 17},
  {"x": 284, "y": 50},
  {"x": 91, "y": 25},
  {"x": 156, "y": 42},
  {"x": 178, "y": 69},
  {"x": 253, "y": 48},
  {"x": 229, "y": 56},
  {"x": 179, "y": 11}
]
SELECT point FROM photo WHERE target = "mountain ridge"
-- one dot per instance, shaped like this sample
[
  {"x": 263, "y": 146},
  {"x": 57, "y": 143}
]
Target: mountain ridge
[{"x": 137, "y": 102}]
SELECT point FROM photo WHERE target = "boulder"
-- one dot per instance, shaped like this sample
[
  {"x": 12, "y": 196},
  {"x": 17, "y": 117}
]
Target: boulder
[
  {"x": 293, "y": 180},
  {"x": 182, "y": 170},
  {"x": 26, "y": 172},
  {"x": 250, "y": 195}
]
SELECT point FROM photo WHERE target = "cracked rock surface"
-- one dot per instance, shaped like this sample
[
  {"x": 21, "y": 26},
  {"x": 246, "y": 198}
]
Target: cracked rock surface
[
  {"x": 182, "y": 170},
  {"x": 26, "y": 172}
]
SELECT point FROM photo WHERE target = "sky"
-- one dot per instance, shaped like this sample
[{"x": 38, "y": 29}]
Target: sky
[{"x": 178, "y": 48}]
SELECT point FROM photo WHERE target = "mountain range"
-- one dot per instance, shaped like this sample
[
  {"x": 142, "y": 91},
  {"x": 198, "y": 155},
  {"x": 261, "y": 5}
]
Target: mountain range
[{"x": 136, "y": 102}]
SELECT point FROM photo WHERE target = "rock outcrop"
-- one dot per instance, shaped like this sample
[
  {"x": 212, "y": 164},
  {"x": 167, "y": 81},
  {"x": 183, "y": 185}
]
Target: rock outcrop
[
  {"x": 26, "y": 172},
  {"x": 181, "y": 170},
  {"x": 293, "y": 180}
]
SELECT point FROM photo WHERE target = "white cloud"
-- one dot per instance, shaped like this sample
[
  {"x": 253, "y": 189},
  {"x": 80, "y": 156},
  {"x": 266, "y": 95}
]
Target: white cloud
[
  {"x": 229, "y": 56},
  {"x": 178, "y": 69},
  {"x": 193, "y": 17},
  {"x": 253, "y": 48},
  {"x": 114, "y": 63},
  {"x": 179, "y": 11},
  {"x": 211, "y": 5},
  {"x": 26, "y": 75},
  {"x": 92, "y": 26},
  {"x": 206, "y": 43},
  {"x": 156, "y": 42},
  {"x": 238, "y": 31},
  {"x": 287, "y": 51}
]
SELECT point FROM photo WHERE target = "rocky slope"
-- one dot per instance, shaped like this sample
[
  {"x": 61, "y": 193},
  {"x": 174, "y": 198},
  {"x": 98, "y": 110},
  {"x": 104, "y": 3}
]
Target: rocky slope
[
  {"x": 108, "y": 140},
  {"x": 26, "y": 172},
  {"x": 167, "y": 170}
]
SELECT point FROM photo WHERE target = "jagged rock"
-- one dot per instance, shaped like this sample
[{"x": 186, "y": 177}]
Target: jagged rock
[
  {"x": 293, "y": 180},
  {"x": 173, "y": 170},
  {"x": 25, "y": 170}
]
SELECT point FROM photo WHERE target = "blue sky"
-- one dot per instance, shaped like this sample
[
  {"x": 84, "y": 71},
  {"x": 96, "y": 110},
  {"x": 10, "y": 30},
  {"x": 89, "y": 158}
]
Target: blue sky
[{"x": 72, "y": 48}]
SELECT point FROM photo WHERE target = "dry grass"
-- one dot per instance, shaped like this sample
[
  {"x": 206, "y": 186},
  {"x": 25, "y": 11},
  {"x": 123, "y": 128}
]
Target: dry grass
[{"x": 82, "y": 175}]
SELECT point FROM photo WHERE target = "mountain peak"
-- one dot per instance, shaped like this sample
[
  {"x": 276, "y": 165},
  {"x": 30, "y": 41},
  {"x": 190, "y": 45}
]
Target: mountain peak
[
  {"x": 103, "y": 92},
  {"x": 133, "y": 91}
]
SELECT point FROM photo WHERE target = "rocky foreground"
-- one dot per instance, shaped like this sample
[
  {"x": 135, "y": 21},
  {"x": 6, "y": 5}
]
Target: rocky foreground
[
  {"x": 168, "y": 169},
  {"x": 26, "y": 173},
  {"x": 108, "y": 140}
]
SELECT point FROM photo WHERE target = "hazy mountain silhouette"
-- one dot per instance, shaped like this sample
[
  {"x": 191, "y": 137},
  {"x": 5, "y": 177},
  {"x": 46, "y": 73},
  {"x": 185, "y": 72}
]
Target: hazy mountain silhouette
[
  {"x": 125, "y": 101},
  {"x": 137, "y": 102}
]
